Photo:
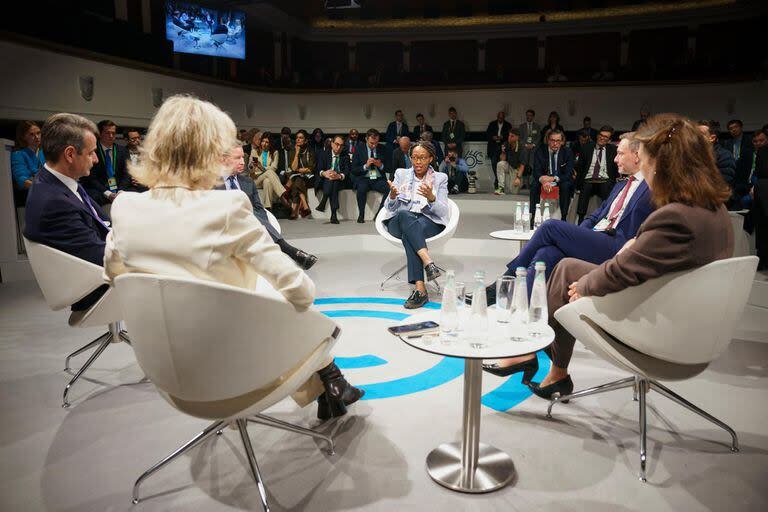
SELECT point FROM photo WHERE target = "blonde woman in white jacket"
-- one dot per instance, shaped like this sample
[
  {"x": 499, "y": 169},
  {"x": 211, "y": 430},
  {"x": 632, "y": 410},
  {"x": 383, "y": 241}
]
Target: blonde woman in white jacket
[{"x": 181, "y": 227}]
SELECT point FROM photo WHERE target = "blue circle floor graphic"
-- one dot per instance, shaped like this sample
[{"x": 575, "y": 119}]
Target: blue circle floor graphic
[{"x": 506, "y": 396}]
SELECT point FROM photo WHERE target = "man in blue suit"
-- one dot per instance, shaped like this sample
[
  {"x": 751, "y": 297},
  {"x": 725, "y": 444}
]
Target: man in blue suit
[
  {"x": 601, "y": 235},
  {"x": 335, "y": 175},
  {"x": 553, "y": 166},
  {"x": 368, "y": 172},
  {"x": 59, "y": 212}
]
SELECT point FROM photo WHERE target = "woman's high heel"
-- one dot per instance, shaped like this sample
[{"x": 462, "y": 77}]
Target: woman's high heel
[
  {"x": 529, "y": 369},
  {"x": 563, "y": 387}
]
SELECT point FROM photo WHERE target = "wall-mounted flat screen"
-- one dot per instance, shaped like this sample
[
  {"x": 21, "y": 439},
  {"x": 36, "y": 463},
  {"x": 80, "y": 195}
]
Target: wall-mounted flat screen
[{"x": 204, "y": 31}]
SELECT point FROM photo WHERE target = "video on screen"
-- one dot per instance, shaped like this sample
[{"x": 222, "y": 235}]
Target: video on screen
[{"x": 204, "y": 31}]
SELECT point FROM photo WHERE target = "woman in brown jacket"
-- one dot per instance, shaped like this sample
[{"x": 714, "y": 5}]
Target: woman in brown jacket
[{"x": 690, "y": 228}]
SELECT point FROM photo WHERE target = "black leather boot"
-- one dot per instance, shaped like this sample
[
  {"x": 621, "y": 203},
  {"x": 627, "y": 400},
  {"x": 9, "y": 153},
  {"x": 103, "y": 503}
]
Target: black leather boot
[{"x": 338, "y": 393}]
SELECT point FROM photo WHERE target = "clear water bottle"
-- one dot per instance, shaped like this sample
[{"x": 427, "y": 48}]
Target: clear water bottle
[
  {"x": 546, "y": 216},
  {"x": 526, "y": 217},
  {"x": 477, "y": 327},
  {"x": 449, "y": 311},
  {"x": 518, "y": 218},
  {"x": 538, "y": 316},
  {"x": 537, "y": 217},
  {"x": 518, "y": 313}
]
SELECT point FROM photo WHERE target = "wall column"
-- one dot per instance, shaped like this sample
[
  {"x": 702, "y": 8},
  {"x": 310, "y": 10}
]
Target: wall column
[
  {"x": 624, "y": 54},
  {"x": 541, "y": 44},
  {"x": 481, "y": 55},
  {"x": 351, "y": 56},
  {"x": 121, "y": 10},
  {"x": 277, "y": 38},
  {"x": 407, "y": 56}
]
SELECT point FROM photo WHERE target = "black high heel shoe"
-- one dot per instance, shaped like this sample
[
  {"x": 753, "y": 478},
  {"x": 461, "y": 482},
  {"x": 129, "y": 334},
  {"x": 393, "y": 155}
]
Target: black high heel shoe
[
  {"x": 529, "y": 369},
  {"x": 338, "y": 393},
  {"x": 563, "y": 387}
]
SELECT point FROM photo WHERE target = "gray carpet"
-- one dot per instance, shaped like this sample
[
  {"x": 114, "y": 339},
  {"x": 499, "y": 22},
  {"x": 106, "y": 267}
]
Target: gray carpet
[{"x": 86, "y": 458}]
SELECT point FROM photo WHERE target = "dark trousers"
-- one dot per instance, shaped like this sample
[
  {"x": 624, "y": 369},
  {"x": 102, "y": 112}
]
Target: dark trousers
[
  {"x": 555, "y": 240},
  {"x": 363, "y": 186},
  {"x": 494, "y": 156},
  {"x": 413, "y": 229},
  {"x": 331, "y": 189},
  {"x": 568, "y": 271},
  {"x": 567, "y": 188},
  {"x": 459, "y": 179},
  {"x": 589, "y": 189}
]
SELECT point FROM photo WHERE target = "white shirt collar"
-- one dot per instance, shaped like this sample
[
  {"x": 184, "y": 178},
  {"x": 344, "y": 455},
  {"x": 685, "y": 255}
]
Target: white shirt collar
[
  {"x": 70, "y": 183},
  {"x": 639, "y": 176}
]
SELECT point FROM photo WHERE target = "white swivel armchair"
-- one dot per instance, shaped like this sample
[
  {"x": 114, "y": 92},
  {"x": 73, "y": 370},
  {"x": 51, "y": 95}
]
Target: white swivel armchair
[
  {"x": 435, "y": 244},
  {"x": 196, "y": 342},
  {"x": 669, "y": 328},
  {"x": 65, "y": 279}
]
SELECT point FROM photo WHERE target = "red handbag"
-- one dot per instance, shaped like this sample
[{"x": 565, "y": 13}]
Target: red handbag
[{"x": 553, "y": 194}]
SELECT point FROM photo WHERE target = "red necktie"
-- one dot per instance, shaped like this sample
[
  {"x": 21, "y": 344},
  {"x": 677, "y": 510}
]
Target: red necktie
[{"x": 623, "y": 197}]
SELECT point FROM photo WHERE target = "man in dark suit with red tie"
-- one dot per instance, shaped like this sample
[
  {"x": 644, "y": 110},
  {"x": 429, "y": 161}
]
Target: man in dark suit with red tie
[
  {"x": 553, "y": 167},
  {"x": 596, "y": 170},
  {"x": 59, "y": 212},
  {"x": 334, "y": 174}
]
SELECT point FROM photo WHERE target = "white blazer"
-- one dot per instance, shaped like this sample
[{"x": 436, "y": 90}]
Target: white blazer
[{"x": 203, "y": 234}]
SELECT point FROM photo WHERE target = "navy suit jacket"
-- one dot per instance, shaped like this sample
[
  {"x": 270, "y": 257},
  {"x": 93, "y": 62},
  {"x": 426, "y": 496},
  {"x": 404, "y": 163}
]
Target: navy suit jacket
[
  {"x": 96, "y": 183},
  {"x": 638, "y": 209},
  {"x": 585, "y": 161},
  {"x": 58, "y": 218},
  {"x": 358, "y": 161},
  {"x": 391, "y": 135},
  {"x": 248, "y": 187},
  {"x": 345, "y": 168},
  {"x": 565, "y": 164},
  {"x": 493, "y": 147}
]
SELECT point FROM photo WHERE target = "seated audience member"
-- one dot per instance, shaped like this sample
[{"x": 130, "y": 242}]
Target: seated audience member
[
  {"x": 263, "y": 171},
  {"x": 759, "y": 211},
  {"x": 249, "y": 144},
  {"x": 596, "y": 171},
  {"x": 353, "y": 144},
  {"x": 689, "y": 228},
  {"x": 553, "y": 167},
  {"x": 133, "y": 148},
  {"x": 109, "y": 175},
  {"x": 739, "y": 144},
  {"x": 644, "y": 113},
  {"x": 428, "y": 137},
  {"x": 303, "y": 166},
  {"x": 556, "y": 76},
  {"x": 216, "y": 236},
  {"x": 586, "y": 126},
  {"x": 285, "y": 153},
  {"x": 583, "y": 140},
  {"x": 368, "y": 172},
  {"x": 237, "y": 180},
  {"x": 456, "y": 169},
  {"x": 395, "y": 130},
  {"x": 496, "y": 135},
  {"x": 723, "y": 158},
  {"x": 595, "y": 240},
  {"x": 553, "y": 123},
  {"x": 416, "y": 209},
  {"x": 335, "y": 175},
  {"x": 421, "y": 127},
  {"x": 401, "y": 157},
  {"x": 746, "y": 175},
  {"x": 510, "y": 163},
  {"x": 59, "y": 212},
  {"x": 317, "y": 143},
  {"x": 27, "y": 157}
]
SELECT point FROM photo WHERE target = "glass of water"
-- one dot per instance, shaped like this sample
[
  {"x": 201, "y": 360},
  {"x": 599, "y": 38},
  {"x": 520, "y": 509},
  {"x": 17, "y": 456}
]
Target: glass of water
[{"x": 504, "y": 288}]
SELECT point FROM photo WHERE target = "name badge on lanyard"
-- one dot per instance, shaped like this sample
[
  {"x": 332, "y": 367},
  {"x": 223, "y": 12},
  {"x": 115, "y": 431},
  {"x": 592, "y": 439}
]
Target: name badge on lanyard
[{"x": 109, "y": 163}]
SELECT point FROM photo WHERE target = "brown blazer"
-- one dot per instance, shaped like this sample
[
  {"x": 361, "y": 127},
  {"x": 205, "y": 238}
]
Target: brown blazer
[{"x": 675, "y": 237}]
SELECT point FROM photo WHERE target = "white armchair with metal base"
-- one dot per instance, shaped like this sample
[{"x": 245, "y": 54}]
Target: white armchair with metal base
[
  {"x": 65, "y": 279},
  {"x": 222, "y": 353},
  {"x": 434, "y": 244},
  {"x": 669, "y": 328}
]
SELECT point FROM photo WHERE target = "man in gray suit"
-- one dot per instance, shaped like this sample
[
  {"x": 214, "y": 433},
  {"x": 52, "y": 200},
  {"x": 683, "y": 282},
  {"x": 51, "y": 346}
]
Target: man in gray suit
[
  {"x": 529, "y": 136},
  {"x": 238, "y": 181}
]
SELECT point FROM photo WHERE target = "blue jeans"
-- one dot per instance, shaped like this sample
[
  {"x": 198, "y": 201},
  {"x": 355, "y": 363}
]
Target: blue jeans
[
  {"x": 413, "y": 229},
  {"x": 557, "y": 239}
]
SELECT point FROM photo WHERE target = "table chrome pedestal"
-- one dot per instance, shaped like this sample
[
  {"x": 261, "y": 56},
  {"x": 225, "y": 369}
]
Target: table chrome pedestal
[{"x": 470, "y": 466}]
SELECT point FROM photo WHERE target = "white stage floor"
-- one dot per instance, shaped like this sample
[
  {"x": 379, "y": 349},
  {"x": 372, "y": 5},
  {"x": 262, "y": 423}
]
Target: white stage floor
[{"x": 86, "y": 458}]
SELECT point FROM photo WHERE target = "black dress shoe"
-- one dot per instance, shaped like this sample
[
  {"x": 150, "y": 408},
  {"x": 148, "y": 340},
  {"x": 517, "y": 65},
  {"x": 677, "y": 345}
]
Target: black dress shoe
[
  {"x": 562, "y": 387},
  {"x": 529, "y": 369},
  {"x": 334, "y": 220},
  {"x": 321, "y": 206},
  {"x": 304, "y": 260},
  {"x": 416, "y": 300},
  {"x": 432, "y": 271},
  {"x": 338, "y": 393},
  {"x": 490, "y": 295},
  {"x": 360, "y": 220}
]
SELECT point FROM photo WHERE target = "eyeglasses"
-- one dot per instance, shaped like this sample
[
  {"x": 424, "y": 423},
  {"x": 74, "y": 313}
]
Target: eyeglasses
[{"x": 420, "y": 158}]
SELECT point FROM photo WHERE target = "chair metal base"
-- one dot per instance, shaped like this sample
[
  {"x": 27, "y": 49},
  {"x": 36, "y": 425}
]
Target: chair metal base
[
  {"x": 641, "y": 387},
  {"x": 217, "y": 428},
  {"x": 102, "y": 342},
  {"x": 396, "y": 275}
]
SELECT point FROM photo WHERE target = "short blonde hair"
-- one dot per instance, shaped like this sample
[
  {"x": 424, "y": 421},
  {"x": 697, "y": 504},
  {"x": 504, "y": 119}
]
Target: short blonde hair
[{"x": 185, "y": 144}]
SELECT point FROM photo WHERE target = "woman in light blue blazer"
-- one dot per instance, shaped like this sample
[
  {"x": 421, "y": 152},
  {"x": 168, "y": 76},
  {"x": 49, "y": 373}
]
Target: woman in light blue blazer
[{"x": 416, "y": 209}]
